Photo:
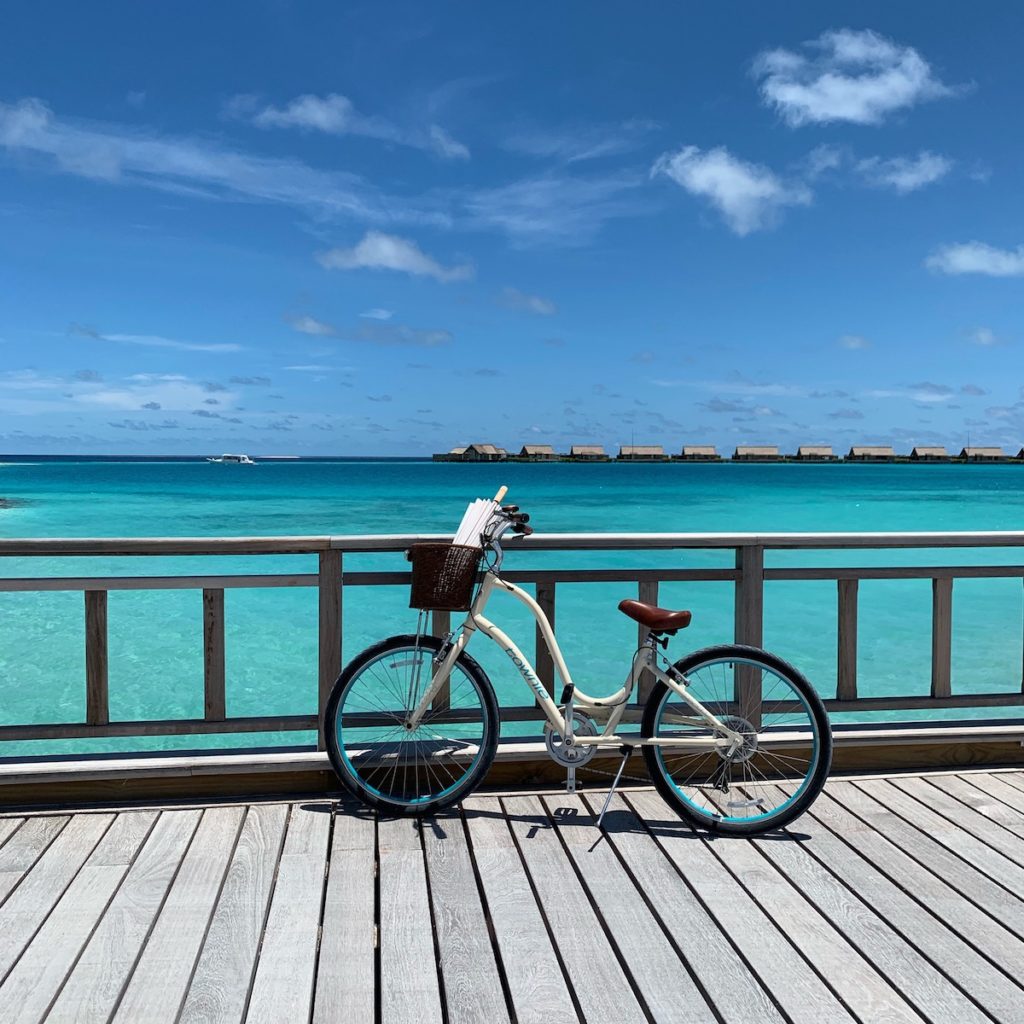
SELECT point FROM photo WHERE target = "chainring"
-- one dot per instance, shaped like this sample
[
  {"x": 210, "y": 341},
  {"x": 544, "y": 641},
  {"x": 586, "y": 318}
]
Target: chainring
[{"x": 573, "y": 756}]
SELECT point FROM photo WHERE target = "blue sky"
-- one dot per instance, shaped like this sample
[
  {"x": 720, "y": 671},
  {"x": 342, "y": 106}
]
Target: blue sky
[{"x": 391, "y": 228}]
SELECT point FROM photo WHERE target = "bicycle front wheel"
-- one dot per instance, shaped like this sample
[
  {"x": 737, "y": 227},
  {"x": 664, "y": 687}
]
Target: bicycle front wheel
[
  {"x": 771, "y": 773},
  {"x": 410, "y": 771}
]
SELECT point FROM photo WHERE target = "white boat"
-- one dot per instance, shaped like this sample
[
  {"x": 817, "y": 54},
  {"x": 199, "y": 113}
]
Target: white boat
[{"x": 240, "y": 460}]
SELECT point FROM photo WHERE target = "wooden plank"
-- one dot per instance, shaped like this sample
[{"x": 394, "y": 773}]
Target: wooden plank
[
  {"x": 647, "y": 592},
  {"x": 347, "y": 976},
  {"x": 846, "y": 686},
  {"x": 998, "y": 787},
  {"x": 878, "y": 807},
  {"x": 49, "y": 584},
  {"x": 972, "y": 820},
  {"x": 749, "y": 627},
  {"x": 661, "y": 976},
  {"x": 330, "y": 630},
  {"x": 543, "y": 661},
  {"x": 97, "y": 696},
  {"x": 220, "y": 986},
  {"x": 213, "y": 655},
  {"x": 931, "y": 891},
  {"x": 161, "y": 977},
  {"x": 762, "y": 942},
  {"x": 735, "y": 992},
  {"x": 885, "y": 925},
  {"x": 409, "y": 983},
  {"x": 972, "y": 851},
  {"x": 851, "y": 974},
  {"x": 28, "y": 906},
  {"x": 536, "y": 984},
  {"x": 92, "y": 990},
  {"x": 978, "y": 799},
  {"x": 39, "y": 973},
  {"x": 160, "y": 727},
  {"x": 469, "y": 971},
  {"x": 942, "y": 634},
  {"x": 440, "y": 626},
  {"x": 282, "y": 989},
  {"x": 600, "y": 985}
]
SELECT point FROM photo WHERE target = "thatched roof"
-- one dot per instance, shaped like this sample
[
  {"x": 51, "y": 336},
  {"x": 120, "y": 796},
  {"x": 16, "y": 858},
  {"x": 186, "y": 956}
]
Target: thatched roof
[
  {"x": 757, "y": 449},
  {"x": 458, "y": 451},
  {"x": 486, "y": 449},
  {"x": 641, "y": 449},
  {"x": 586, "y": 449},
  {"x": 982, "y": 453},
  {"x": 537, "y": 449},
  {"x": 877, "y": 450},
  {"x": 814, "y": 449},
  {"x": 929, "y": 451},
  {"x": 699, "y": 449}
]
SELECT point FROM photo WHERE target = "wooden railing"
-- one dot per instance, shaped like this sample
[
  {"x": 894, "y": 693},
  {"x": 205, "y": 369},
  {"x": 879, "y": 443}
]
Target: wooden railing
[{"x": 332, "y": 582}]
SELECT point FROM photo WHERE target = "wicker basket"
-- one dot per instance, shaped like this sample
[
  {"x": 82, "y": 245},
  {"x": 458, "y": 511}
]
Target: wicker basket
[{"x": 443, "y": 576}]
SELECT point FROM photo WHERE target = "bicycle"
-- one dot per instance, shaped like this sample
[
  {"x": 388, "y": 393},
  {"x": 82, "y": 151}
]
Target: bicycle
[{"x": 733, "y": 737}]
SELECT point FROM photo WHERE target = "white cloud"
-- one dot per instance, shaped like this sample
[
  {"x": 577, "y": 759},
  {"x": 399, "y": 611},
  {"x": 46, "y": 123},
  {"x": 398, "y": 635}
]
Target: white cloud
[
  {"x": 378, "y": 251},
  {"x": 574, "y": 145},
  {"x": 984, "y": 336},
  {"x": 154, "y": 341},
  {"x": 977, "y": 258},
  {"x": 199, "y": 168},
  {"x": 334, "y": 114},
  {"x": 554, "y": 209},
  {"x": 310, "y": 325},
  {"x": 926, "y": 392},
  {"x": 748, "y": 196},
  {"x": 445, "y": 146},
  {"x": 513, "y": 298},
  {"x": 854, "y": 342},
  {"x": 854, "y": 76},
  {"x": 905, "y": 174},
  {"x": 377, "y": 314}
]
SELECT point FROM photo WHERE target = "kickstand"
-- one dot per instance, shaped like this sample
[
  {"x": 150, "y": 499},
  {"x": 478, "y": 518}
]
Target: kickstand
[{"x": 626, "y": 751}]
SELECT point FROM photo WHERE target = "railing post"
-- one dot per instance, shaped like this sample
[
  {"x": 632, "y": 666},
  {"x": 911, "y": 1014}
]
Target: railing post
[
  {"x": 441, "y": 626},
  {"x": 846, "y": 667},
  {"x": 330, "y": 581},
  {"x": 749, "y": 626},
  {"x": 647, "y": 592},
  {"x": 942, "y": 635},
  {"x": 97, "y": 692},
  {"x": 542, "y": 656},
  {"x": 215, "y": 709}
]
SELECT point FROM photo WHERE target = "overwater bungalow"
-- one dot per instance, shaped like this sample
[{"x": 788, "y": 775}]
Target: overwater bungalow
[
  {"x": 588, "y": 453},
  {"x": 482, "y": 453},
  {"x": 698, "y": 453},
  {"x": 984, "y": 454},
  {"x": 871, "y": 453},
  {"x": 815, "y": 453},
  {"x": 453, "y": 455},
  {"x": 933, "y": 453},
  {"x": 642, "y": 453},
  {"x": 756, "y": 453},
  {"x": 538, "y": 453}
]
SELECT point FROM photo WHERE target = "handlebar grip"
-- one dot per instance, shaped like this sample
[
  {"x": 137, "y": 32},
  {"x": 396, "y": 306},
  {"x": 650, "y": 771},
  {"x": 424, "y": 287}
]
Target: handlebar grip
[
  {"x": 522, "y": 529},
  {"x": 502, "y": 491}
]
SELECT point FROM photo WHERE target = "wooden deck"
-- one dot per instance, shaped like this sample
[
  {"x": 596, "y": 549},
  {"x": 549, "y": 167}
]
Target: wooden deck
[{"x": 896, "y": 899}]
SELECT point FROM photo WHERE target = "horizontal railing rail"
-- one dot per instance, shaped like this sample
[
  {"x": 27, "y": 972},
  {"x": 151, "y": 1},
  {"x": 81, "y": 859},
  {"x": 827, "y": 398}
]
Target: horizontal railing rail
[{"x": 748, "y": 575}]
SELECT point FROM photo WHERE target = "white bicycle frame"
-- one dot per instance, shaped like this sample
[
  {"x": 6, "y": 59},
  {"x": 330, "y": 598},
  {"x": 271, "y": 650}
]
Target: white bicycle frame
[{"x": 608, "y": 709}]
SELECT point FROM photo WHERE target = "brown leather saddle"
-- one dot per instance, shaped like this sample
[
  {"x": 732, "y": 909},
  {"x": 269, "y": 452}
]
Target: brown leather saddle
[{"x": 659, "y": 620}]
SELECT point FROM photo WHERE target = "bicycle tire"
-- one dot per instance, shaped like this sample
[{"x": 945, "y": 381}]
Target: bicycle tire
[
  {"x": 410, "y": 773},
  {"x": 764, "y": 772}
]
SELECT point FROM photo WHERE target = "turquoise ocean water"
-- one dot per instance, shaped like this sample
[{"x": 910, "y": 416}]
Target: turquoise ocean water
[{"x": 156, "y": 637}]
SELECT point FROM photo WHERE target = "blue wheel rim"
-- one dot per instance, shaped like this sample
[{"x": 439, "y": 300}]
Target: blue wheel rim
[{"x": 776, "y": 811}]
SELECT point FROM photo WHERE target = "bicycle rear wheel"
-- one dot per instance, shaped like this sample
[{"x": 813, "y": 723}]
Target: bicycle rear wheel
[
  {"x": 403, "y": 771},
  {"x": 783, "y": 760}
]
